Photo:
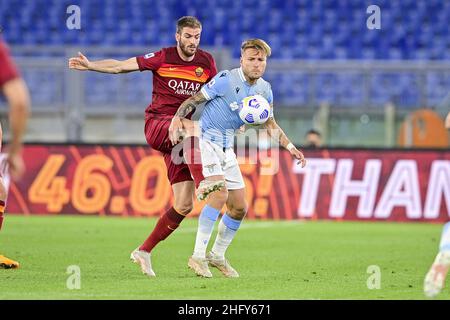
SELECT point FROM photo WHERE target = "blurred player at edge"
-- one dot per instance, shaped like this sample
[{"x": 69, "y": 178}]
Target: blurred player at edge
[
  {"x": 435, "y": 278},
  {"x": 16, "y": 93},
  {"x": 178, "y": 73},
  {"x": 219, "y": 122}
]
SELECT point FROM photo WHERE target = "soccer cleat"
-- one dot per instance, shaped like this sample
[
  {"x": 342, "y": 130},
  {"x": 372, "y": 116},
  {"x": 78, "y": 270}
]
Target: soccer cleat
[
  {"x": 435, "y": 278},
  {"x": 6, "y": 263},
  {"x": 200, "y": 267},
  {"x": 143, "y": 259},
  {"x": 223, "y": 265},
  {"x": 206, "y": 187}
]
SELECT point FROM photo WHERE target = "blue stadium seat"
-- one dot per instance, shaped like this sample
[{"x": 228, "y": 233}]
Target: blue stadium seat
[
  {"x": 345, "y": 21},
  {"x": 296, "y": 29}
]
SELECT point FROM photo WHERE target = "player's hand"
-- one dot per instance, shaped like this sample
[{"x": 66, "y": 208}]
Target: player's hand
[
  {"x": 297, "y": 154},
  {"x": 176, "y": 130},
  {"x": 16, "y": 165},
  {"x": 79, "y": 63}
]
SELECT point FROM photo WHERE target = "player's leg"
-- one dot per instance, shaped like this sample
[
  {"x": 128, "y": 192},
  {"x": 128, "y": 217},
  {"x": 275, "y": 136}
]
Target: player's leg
[
  {"x": 192, "y": 156},
  {"x": 206, "y": 222},
  {"x": 191, "y": 149},
  {"x": 212, "y": 157},
  {"x": 228, "y": 226},
  {"x": 5, "y": 263},
  {"x": 435, "y": 278},
  {"x": 2, "y": 201},
  {"x": 156, "y": 133},
  {"x": 183, "y": 190},
  {"x": 3, "y": 189},
  {"x": 208, "y": 217},
  {"x": 171, "y": 219}
]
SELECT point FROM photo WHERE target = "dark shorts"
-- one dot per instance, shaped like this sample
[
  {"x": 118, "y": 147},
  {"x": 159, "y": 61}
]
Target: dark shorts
[{"x": 157, "y": 135}]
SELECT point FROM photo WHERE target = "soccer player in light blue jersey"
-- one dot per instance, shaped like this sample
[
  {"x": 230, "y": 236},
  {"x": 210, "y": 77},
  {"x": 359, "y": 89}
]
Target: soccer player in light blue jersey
[
  {"x": 435, "y": 278},
  {"x": 219, "y": 122}
]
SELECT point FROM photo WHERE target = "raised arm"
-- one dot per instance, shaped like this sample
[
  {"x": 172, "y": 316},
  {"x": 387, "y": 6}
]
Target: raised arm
[
  {"x": 275, "y": 132},
  {"x": 106, "y": 66},
  {"x": 185, "y": 108}
]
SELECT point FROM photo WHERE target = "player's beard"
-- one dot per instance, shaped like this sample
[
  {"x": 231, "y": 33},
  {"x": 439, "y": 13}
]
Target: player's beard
[
  {"x": 188, "y": 52},
  {"x": 255, "y": 75}
]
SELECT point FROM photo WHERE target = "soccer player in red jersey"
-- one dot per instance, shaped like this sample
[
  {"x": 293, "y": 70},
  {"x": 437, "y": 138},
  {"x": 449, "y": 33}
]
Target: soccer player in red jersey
[
  {"x": 16, "y": 93},
  {"x": 178, "y": 73}
]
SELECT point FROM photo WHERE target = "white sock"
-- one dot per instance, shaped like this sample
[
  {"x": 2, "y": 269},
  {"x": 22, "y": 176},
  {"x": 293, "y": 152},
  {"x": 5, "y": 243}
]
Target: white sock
[
  {"x": 227, "y": 230},
  {"x": 206, "y": 222}
]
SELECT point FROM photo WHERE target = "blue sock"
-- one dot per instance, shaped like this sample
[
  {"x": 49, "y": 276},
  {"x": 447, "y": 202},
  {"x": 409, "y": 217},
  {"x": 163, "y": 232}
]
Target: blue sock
[
  {"x": 445, "y": 238},
  {"x": 227, "y": 230},
  {"x": 206, "y": 222}
]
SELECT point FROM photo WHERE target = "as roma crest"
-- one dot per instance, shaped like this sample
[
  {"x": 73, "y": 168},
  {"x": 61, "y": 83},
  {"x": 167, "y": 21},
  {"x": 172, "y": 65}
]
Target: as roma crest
[{"x": 199, "y": 71}]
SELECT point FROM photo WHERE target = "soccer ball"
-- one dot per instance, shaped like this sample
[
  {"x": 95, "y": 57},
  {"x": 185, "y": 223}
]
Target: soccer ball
[{"x": 254, "y": 110}]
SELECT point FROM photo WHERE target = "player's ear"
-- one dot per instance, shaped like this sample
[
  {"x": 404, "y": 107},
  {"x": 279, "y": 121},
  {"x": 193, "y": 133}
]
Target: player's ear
[{"x": 177, "y": 37}]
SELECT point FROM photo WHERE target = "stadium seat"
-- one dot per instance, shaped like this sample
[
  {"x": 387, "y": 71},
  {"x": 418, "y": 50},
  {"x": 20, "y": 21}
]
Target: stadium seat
[
  {"x": 296, "y": 29},
  {"x": 344, "y": 21}
]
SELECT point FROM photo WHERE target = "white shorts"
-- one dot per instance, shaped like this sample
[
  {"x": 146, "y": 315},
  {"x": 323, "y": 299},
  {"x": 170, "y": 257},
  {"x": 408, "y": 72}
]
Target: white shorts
[{"x": 217, "y": 162}]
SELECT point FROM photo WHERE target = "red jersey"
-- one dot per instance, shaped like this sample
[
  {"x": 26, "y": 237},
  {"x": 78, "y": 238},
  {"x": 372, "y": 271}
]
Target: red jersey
[
  {"x": 8, "y": 70},
  {"x": 175, "y": 80}
]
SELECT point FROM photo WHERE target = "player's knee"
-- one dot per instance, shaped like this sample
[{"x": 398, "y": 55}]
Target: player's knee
[
  {"x": 184, "y": 208},
  {"x": 219, "y": 197},
  {"x": 239, "y": 212},
  {"x": 222, "y": 195}
]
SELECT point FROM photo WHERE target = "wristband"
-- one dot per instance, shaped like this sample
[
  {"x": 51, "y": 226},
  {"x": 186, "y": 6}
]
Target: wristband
[{"x": 290, "y": 146}]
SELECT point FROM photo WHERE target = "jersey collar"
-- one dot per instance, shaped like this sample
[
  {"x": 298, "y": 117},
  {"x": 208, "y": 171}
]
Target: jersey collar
[{"x": 241, "y": 75}]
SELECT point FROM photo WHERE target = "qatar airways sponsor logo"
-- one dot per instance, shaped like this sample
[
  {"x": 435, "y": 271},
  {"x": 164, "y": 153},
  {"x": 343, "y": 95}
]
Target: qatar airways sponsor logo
[
  {"x": 184, "y": 87},
  {"x": 402, "y": 188}
]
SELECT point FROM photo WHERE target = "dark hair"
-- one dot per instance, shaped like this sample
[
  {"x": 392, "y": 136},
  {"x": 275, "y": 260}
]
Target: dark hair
[
  {"x": 188, "y": 21},
  {"x": 313, "y": 131}
]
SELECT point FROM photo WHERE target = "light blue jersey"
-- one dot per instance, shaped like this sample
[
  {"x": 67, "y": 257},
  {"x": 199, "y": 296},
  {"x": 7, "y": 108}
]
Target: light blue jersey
[{"x": 220, "y": 118}]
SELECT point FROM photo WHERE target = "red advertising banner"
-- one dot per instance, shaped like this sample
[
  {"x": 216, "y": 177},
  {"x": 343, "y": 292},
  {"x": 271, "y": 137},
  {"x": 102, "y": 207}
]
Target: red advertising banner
[{"x": 342, "y": 184}]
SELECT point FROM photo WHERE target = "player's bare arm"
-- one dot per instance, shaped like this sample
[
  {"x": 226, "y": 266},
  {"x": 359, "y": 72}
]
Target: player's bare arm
[
  {"x": 275, "y": 131},
  {"x": 185, "y": 108},
  {"x": 82, "y": 63},
  {"x": 17, "y": 95}
]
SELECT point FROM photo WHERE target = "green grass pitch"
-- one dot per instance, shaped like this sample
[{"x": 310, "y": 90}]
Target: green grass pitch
[{"x": 276, "y": 260}]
